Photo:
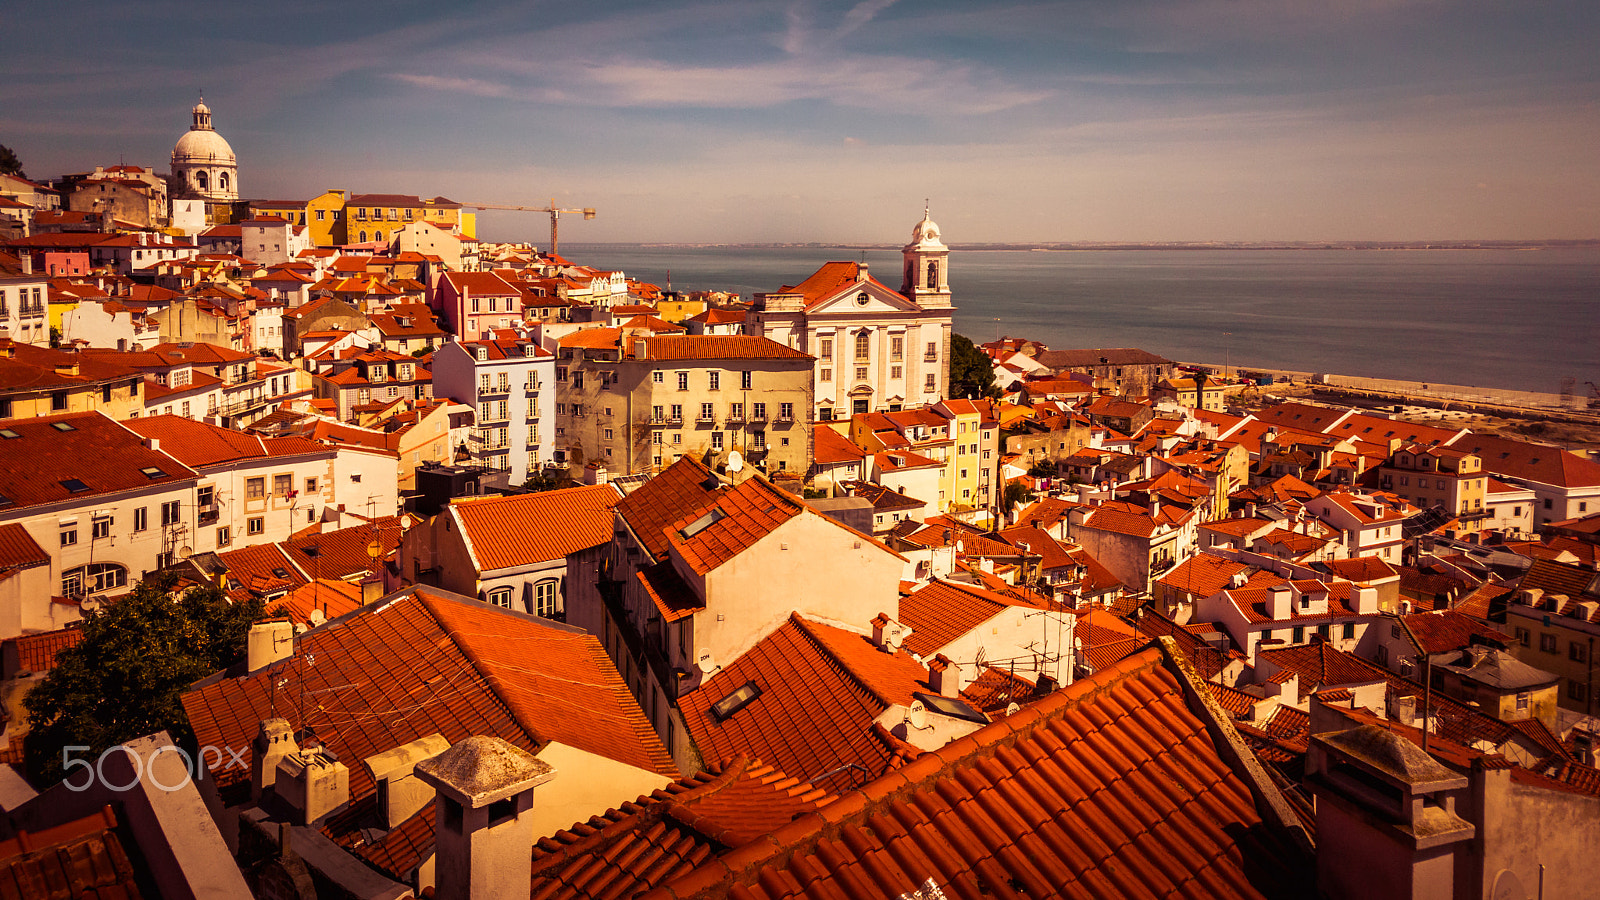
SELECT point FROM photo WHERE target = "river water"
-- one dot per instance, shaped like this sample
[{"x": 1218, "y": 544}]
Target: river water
[{"x": 1518, "y": 319}]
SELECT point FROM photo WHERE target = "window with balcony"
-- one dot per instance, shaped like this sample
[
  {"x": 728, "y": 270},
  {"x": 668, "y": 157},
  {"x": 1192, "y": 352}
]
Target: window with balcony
[
  {"x": 786, "y": 412},
  {"x": 758, "y": 412},
  {"x": 736, "y": 412},
  {"x": 707, "y": 412},
  {"x": 929, "y": 385},
  {"x": 676, "y": 413},
  {"x": 932, "y": 352}
]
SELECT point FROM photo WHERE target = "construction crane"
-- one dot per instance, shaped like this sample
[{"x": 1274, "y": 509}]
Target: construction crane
[{"x": 554, "y": 211}]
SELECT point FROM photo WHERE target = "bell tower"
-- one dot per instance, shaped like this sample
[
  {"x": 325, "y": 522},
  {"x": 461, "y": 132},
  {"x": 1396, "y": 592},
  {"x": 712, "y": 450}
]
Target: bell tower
[{"x": 927, "y": 259}]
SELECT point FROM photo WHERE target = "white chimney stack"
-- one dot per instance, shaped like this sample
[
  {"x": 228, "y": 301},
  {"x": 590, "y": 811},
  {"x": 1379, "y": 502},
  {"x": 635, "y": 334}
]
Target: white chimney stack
[
  {"x": 313, "y": 782},
  {"x": 944, "y": 676},
  {"x": 274, "y": 741},
  {"x": 268, "y": 643},
  {"x": 485, "y": 827}
]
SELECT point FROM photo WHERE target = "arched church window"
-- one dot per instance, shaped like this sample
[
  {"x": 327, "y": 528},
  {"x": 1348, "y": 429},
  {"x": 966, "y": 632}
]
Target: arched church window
[
  {"x": 363, "y": 237},
  {"x": 222, "y": 180},
  {"x": 933, "y": 275},
  {"x": 200, "y": 180},
  {"x": 863, "y": 344}
]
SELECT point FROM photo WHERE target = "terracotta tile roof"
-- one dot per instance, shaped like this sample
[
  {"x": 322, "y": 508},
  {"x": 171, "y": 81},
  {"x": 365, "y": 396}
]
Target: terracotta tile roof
[
  {"x": 259, "y": 571},
  {"x": 625, "y": 852},
  {"x": 482, "y": 284},
  {"x": 425, "y": 661},
  {"x": 1252, "y": 599},
  {"x": 673, "y": 599},
  {"x": 330, "y": 598},
  {"x": 1446, "y": 630},
  {"x": 821, "y": 688},
  {"x": 1117, "y": 521},
  {"x": 939, "y": 612},
  {"x": 829, "y": 280},
  {"x": 1110, "y": 788},
  {"x": 832, "y": 448},
  {"x": 96, "y": 451},
  {"x": 522, "y": 529},
  {"x": 716, "y": 346},
  {"x": 196, "y": 443},
  {"x": 37, "y": 652},
  {"x": 742, "y": 515},
  {"x": 1203, "y": 575},
  {"x": 1360, "y": 569},
  {"x": 994, "y": 690},
  {"x": 83, "y": 859},
  {"x": 1321, "y": 665},
  {"x": 343, "y": 553},
  {"x": 1105, "y": 639},
  {"x": 682, "y": 489},
  {"x": 1052, "y": 553},
  {"x": 18, "y": 549},
  {"x": 593, "y": 339},
  {"x": 1048, "y": 512}
]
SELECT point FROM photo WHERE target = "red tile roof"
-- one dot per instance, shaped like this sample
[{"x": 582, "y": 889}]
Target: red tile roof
[
  {"x": 83, "y": 859},
  {"x": 686, "y": 487},
  {"x": 1540, "y": 463},
  {"x": 673, "y": 599},
  {"x": 715, "y": 346},
  {"x": 1203, "y": 575},
  {"x": 18, "y": 549},
  {"x": 1446, "y": 630},
  {"x": 748, "y": 513},
  {"x": 657, "y": 838},
  {"x": 529, "y": 528},
  {"x": 344, "y": 553},
  {"x": 1113, "y": 787},
  {"x": 37, "y": 652},
  {"x": 821, "y": 688},
  {"x": 103, "y": 455},
  {"x": 832, "y": 448},
  {"x": 425, "y": 661},
  {"x": 939, "y": 612}
]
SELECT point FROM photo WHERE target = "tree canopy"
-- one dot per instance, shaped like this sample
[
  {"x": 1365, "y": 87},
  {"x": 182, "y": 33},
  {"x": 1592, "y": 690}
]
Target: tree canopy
[
  {"x": 971, "y": 370},
  {"x": 9, "y": 163},
  {"x": 125, "y": 678}
]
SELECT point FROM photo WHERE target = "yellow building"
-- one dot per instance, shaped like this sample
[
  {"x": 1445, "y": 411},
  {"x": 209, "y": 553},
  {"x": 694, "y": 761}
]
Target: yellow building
[
  {"x": 1186, "y": 392},
  {"x": 340, "y": 217},
  {"x": 675, "y": 308},
  {"x": 1443, "y": 477},
  {"x": 325, "y": 218},
  {"x": 291, "y": 211},
  {"x": 37, "y": 381}
]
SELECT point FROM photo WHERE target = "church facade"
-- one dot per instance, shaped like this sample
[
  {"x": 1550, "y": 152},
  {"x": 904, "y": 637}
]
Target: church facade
[
  {"x": 876, "y": 349},
  {"x": 204, "y": 167}
]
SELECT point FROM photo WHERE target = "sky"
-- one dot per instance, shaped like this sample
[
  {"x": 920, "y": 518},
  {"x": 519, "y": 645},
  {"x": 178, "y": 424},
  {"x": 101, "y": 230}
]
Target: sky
[{"x": 1134, "y": 120}]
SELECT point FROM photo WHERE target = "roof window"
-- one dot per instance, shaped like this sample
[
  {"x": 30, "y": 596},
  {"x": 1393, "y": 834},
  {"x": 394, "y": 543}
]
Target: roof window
[
  {"x": 5, "y": 501},
  {"x": 946, "y": 706},
  {"x": 62, "y": 426},
  {"x": 746, "y": 694},
  {"x": 701, "y": 524},
  {"x": 74, "y": 486},
  {"x": 8, "y": 434},
  {"x": 152, "y": 473},
  {"x": 281, "y": 572}
]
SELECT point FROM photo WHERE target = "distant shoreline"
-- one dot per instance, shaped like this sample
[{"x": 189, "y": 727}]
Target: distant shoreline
[{"x": 1078, "y": 246}]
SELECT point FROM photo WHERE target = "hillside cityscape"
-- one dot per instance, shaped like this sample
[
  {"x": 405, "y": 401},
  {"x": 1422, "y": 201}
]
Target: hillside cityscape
[{"x": 801, "y": 451}]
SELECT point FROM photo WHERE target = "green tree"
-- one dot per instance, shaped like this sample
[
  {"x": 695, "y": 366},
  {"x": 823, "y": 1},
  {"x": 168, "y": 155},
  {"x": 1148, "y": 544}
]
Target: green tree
[
  {"x": 125, "y": 679},
  {"x": 9, "y": 163},
  {"x": 971, "y": 370},
  {"x": 1015, "y": 494}
]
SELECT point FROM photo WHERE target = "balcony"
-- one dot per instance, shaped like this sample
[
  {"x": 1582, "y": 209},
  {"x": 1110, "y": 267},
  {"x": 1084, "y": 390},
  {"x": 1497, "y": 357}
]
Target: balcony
[
  {"x": 674, "y": 421},
  {"x": 760, "y": 415},
  {"x": 930, "y": 357},
  {"x": 784, "y": 420},
  {"x": 735, "y": 419},
  {"x": 706, "y": 420},
  {"x": 209, "y": 514}
]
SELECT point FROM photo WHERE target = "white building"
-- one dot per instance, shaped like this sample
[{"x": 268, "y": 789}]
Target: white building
[
  {"x": 203, "y": 163},
  {"x": 876, "y": 348},
  {"x": 511, "y": 385}
]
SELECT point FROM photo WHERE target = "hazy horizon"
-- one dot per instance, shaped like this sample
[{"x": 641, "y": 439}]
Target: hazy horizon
[{"x": 1145, "y": 121}]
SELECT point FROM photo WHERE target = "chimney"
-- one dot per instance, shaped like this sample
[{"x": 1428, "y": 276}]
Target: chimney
[
  {"x": 944, "y": 676},
  {"x": 641, "y": 348},
  {"x": 484, "y": 826},
  {"x": 312, "y": 782},
  {"x": 26, "y": 259},
  {"x": 371, "y": 590},
  {"x": 1280, "y": 602},
  {"x": 1366, "y": 600},
  {"x": 268, "y": 643},
  {"x": 274, "y": 741},
  {"x": 400, "y": 794}
]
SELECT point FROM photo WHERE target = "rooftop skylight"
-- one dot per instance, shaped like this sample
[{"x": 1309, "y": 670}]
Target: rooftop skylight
[
  {"x": 746, "y": 694},
  {"x": 74, "y": 486}
]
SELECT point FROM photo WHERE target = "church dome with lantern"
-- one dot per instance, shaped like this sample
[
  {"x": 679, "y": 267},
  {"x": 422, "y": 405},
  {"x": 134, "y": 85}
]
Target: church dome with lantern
[{"x": 203, "y": 162}]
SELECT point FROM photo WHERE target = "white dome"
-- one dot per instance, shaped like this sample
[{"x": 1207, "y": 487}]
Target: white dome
[
  {"x": 202, "y": 147},
  {"x": 926, "y": 232}
]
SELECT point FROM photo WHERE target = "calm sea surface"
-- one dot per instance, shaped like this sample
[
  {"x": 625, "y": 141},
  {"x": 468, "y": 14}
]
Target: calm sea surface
[{"x": 1518, "y": 319}]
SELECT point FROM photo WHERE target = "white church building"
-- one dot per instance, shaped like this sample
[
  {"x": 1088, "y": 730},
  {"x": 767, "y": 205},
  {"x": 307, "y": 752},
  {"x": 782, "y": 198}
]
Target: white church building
[{"x": 876, "y": 349}]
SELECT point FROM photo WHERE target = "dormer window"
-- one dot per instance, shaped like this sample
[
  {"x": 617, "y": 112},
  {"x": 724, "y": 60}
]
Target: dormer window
[{"x": 482, "y": 354}]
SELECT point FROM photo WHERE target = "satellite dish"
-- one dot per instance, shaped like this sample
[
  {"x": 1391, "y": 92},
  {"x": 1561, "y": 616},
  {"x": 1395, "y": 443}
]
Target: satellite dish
[
  {"x": 706, "y": 664},
  {"x": 89, "y": 604},
  {"x": 918, "y": 715},
  {"x": 185, "y": 552},
  {"x": 896, "y": 636},
  {"x": 735, "y": 461},
  {"x": 317, "y": 617},
  {"x": 1012, "y": 708}
]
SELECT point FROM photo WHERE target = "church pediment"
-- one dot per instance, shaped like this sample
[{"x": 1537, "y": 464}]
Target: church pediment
[{"x": 863, "y": 298}]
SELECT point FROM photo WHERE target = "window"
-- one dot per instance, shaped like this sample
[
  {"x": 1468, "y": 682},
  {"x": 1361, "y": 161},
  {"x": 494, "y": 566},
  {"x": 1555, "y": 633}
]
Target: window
[
  {"x": 677, "y": 412},
  {"x": 69, "y": 535},
  {"x": 224, "y": 536},
  {"x": 785, "y": 411},
  {"x": 716, "y": 444},
  {"x": 928, "y": 385},
  {"x": 896, "y": 372},
  {"x": 683, "y": 381},
  {"x": 714, "y": 380},
  {"x": 826, "y": 375},
  {"x": 861, "y": 373},
  {"x": 58, "y": 401},
  {"x": 1522, "y": 700},
  {"x": 544, "y": 598},
  {"x": 863, "y": 344},
  {"x": 1546, "y": 500},
  {"x": 1547, "y": 643},
  {"x": 897, "y": 348},
  {"x": 745, "y": 380},
  {"x": 1577, "y": 690},
  {"x": 758, "y": 411},
  {"x": 1299, "y": 634},
  {"x": 707, "y": 412},
  {"x": 93, "y": 579},
  {"x": 1524, "y": 637},
  {"x": 826, "y": 348},
  {"x": 311, "y": 485},
  {"x": 658, "y": 377},
  {"x": 1577, "y": 652},
  {"x": 758, "y": 440},
  {"x": 500, "y": 596},
  {"x": 933, "y": 351},
  {"x": 254, "y": 489},
  {"x": 141, "y": 519},
  {"x": 170, "y": 513},
  {"x": 256, "y": 525},
  {"x": 100, "y": 527},
  {"x": 677, "y": 437},
  {"x": 282, "y": 485}
]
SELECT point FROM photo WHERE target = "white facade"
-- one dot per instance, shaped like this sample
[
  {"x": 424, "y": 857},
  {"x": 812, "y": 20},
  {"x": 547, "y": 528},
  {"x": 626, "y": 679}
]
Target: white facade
[
  {"x": 512, "y": 387},
  {"x": 91, "y": 321},
  {"x": 203, "y": 162},
  {"x": 876, "y": 348}
]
